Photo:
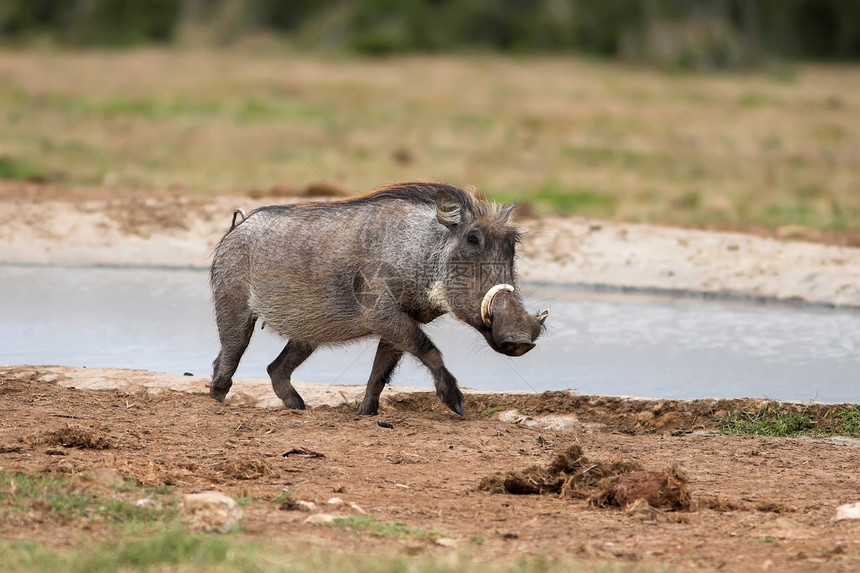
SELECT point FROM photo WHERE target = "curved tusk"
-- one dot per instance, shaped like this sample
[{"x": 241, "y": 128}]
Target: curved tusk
[
  {"x": 487, "y": 301},
  {"x": 543, "y": 314}
]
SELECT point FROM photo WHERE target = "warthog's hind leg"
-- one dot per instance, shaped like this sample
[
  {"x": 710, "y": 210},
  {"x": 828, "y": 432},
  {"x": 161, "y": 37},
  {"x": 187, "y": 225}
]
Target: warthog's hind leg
[
  {"x": 281, "y": 369},
  {"x": 387, "y": 357},
  {"x": 235, "y": 335}
]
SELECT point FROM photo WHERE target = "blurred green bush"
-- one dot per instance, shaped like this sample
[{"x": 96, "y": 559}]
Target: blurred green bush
[{"x": 699, "y": 34}]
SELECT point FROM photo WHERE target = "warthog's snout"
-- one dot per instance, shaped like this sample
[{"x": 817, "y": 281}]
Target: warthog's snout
[
  {"x": 516, "y": 346},
  {"x": 510, "y": 329}
]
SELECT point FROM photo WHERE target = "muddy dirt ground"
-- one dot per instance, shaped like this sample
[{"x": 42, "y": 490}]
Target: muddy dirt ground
[{"x": 758, "y": 503}]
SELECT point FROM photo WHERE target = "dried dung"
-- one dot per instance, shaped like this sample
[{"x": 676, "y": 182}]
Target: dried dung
[
  {"x": 665, "y": 489},
  {"x": 774, "y": 507},
  {"x": 568, "y": 460},
  {"x": 717, "y": 504},
  {"x": 533, "y": 479},
  {"x": 570, "y": 473},
  {"x": 303, "y": 452},
  {"x": 245, "y": 469},
  {"x": 70, "y": 436},
  {"x": 593, "y": 475},
  {"x": 618, "y": 483}
]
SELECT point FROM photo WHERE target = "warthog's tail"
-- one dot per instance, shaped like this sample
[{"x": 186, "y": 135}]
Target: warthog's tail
[{"x": 241, "y": 212}]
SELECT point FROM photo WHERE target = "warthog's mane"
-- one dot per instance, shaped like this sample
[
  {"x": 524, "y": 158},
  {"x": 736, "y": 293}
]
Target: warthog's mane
[
  {"x": 471, "y": 201},
  {"x": 472, "y": 205}
]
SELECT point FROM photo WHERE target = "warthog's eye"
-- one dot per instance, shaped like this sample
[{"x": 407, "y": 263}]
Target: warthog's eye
[{"x": 473, "y": 238}]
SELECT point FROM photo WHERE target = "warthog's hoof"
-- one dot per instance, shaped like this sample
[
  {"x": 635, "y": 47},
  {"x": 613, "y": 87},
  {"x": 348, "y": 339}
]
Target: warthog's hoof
[
  {"x": 458, "y": 408},
  {"x": 219, "y": 394},
  {"x": 453, "y": 399},
  {"x": 294, "y": 403},
  {"x": 368, "y": 408}
]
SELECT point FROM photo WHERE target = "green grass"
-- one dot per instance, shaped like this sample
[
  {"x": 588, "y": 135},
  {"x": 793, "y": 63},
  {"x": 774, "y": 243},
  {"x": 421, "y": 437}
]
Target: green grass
[
  {"x": 566, "y": 135},
  {"x": 755, "y": 100},
  {"x": 173, "y": 546},
  {"x": 169, "y": 109},
  {"x": 554, "y": 199},
  {"x": 150, "y": 539},
  {"x": 782, "y": 421},
  {"x": 176, "y": 549},
  {"x": 378, "y": 528},
  {"x": 494, "y": 410},
  {"x": 61, "y": 496},
  {"x": 283, "y": 497},
  {"x": 19, "y": 170}
]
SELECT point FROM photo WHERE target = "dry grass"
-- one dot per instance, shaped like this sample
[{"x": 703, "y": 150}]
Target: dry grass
[{"x": 732, "y": 150}]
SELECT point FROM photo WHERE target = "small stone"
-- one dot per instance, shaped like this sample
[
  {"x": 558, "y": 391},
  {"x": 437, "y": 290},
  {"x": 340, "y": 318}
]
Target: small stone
[
  {"x": 147, "y": 502},
  {"x": 848, "y": 511},
  {"x": 445, "y": 542},
  {"x": 210, "y": 511},
  {"x": 299, "y": 505},
  {"x": 320, "y": 518},
  {"x": 307, "y": 506},
  {"x": 336, "y": 503}
]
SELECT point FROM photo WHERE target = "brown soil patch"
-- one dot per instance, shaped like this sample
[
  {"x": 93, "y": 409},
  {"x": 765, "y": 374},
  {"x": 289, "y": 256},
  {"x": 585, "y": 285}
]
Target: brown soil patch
[{"x": 425, "y": 473}]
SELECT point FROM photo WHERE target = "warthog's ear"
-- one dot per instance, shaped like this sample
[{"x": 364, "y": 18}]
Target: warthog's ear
[
  {"x": 449, "y": 211},
  {"x": 505, "y": 211}
]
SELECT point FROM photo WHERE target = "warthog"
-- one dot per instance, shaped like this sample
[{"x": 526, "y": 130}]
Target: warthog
[{"x": 381, "y": 264}]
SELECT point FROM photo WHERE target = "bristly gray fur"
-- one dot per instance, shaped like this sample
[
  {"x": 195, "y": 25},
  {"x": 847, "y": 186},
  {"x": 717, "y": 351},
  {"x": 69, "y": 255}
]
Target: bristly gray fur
[{"x": 380, "y": 264}]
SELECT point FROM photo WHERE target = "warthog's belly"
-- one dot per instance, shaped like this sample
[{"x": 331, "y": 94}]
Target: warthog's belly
[{"x": 318, "y": 318}]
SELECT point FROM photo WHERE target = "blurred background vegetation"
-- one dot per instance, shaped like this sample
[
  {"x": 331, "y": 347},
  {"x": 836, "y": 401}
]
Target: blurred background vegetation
[
  {"x": 687, "y": 33},
  {"x": 738, "y": 114}
]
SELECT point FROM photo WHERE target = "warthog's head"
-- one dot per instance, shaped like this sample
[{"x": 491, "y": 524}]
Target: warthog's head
[{"x": 479, "y": 281}]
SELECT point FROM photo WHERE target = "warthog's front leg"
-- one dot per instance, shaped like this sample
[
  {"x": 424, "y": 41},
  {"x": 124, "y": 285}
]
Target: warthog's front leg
[
  {"x": 446, "y": 384},
  {"x": 410, "y": 338},
  {"x": 281, "y": 369},
  {"x": 387, "y": 357}
]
